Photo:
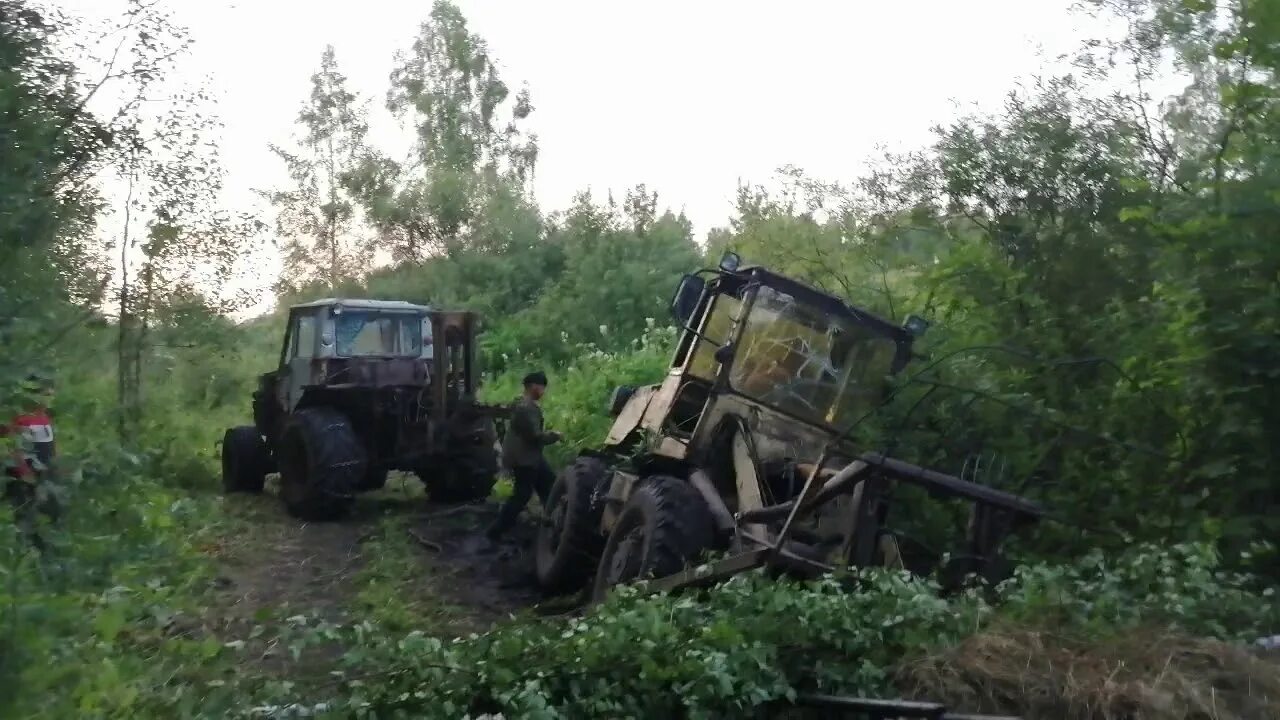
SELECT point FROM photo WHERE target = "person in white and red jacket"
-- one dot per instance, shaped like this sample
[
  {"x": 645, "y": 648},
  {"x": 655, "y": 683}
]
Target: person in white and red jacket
[{"x": 31, "y": 443}]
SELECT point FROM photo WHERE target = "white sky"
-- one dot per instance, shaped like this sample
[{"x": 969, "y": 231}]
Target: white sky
[{"x": 687, "y": 97}]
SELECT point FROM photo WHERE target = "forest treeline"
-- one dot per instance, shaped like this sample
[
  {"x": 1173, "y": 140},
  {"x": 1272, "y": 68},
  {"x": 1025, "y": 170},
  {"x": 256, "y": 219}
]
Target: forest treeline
[
  {"x": 1119, "y": 243},
  {"x": 1098, "y": 265}
]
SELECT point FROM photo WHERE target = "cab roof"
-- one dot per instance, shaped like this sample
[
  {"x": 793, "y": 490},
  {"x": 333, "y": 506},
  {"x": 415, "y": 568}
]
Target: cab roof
[
  {"x": 819, "y": 298},
  {"x": 361, "y": 304}
]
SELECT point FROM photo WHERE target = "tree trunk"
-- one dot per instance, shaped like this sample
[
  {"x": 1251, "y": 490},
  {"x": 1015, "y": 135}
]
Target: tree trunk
[
  {"x": 143, "y": 315},
  {"x": 332, "y": 230},
  {"x": 127, "y": 392}
]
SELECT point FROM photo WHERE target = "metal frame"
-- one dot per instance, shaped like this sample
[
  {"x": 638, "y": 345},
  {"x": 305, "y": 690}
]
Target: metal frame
[
  {"x": 781, "y": 536},
  {"x": 869, "y": 479},
  {"x": 749, "y": 279},
  {"x": 873, "y": 709}
]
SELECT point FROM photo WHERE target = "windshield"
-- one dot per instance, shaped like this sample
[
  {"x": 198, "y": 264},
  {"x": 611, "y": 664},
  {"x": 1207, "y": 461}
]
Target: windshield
[
  {"x": 367, "y": 333},
  {"x": 822, "y": 368}
]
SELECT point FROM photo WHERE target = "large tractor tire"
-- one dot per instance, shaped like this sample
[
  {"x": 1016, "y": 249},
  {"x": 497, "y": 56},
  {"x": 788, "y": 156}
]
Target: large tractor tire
[
  {"x": 374, "y": 479},
  {"x": 244, "y": 460},
  {"x": 664, "y": 526},
  {"x": 322, "y": 464},
  {"x": 569, "y": 541},
  {"x": 470, "y": 469},
  {"x": 465, "y": 479}
]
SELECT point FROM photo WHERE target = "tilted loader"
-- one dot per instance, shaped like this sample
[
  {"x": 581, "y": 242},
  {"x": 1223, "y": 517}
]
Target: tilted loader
[{"x": 744, "y": 450}]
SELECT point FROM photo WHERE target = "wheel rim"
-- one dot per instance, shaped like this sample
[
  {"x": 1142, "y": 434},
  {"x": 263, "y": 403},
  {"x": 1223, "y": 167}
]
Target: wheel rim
[{"x": 628, "y": 556}]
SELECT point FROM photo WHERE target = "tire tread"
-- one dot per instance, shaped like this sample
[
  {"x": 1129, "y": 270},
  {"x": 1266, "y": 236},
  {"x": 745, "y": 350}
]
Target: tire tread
[
  {"x": 335, "y": 464},
  {"x": 577, "y": 552}
]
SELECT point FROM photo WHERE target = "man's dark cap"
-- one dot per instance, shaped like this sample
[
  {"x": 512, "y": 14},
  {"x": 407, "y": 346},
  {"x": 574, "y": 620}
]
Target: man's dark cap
[{"x": 536, "y": 378}]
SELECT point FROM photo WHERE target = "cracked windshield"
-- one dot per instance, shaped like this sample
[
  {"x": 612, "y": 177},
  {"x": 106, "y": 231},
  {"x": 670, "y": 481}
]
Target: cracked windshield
[{"x": 815, "y": 366}]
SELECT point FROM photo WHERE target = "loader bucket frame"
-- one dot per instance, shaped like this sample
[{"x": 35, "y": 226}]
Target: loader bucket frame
[
  {"x": 868, "y": 481},
  {"x": 860, "y": 484}
]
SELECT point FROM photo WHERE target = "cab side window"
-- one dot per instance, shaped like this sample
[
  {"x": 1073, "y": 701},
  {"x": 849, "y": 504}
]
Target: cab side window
[
  {"x": 304, "y": 337},
  {"x": 716, "y": 333}
]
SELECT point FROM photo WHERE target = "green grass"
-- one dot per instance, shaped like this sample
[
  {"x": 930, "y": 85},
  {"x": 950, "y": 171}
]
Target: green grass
[{"x": 396, "y": 586}]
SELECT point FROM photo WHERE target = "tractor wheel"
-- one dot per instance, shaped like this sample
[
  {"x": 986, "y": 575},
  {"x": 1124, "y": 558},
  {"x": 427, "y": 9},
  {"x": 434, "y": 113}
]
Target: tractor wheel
[
  {"x": 664, "y": 525},
  {"x": 464, "y": 480},
  {"x": 374, "y": 479},
  {"x": 322, "y": 464},
  {"x": 569, "y": 540},
  {"x": 244, "y": 460}
]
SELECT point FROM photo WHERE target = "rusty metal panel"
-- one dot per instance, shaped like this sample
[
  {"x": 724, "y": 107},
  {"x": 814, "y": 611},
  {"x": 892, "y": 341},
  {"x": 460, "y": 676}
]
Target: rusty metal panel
[
  {"x": 746, "y": 473},
  {"x": 670, "y": 447},
  {"x": 629, "y": 419},
  {"x": 774, "y": 434},
  {"x": 655, "y": 414},
  {"x": 439, "y": 368},
  {"x": 619, "y": 490}
]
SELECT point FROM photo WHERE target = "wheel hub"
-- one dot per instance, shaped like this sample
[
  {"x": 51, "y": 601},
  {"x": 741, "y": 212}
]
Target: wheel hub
[{"x": 624, "y": 565}]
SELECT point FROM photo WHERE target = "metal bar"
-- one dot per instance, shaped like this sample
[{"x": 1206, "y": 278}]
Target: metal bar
[
  {"x": 809, "y": 488},
  {"x": 783, "y": 556},
  {"x": 798, "y": 563},
  {"x": 834, "y": 485},
  {"x": 885, "y": 709},
  {"x": 713, "y": 573},
  {"x": 439, "y": 368},
  {"x": 719, "y": 511},
  {"x": 863, "y": 531},
  {"x": 952, "y": 485},
  {"x": 875, "y": 708}
]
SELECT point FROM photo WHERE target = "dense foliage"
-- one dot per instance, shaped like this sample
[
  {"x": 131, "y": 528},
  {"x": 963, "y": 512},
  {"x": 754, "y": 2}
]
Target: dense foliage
[
  {"x": 755, "y": 640},
  {"x": 1096, "y": 264}
]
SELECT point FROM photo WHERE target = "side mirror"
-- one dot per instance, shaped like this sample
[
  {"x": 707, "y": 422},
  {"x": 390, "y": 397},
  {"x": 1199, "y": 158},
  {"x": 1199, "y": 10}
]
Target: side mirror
[
  {"x": 685, "y": 302},
  {"x": 730, "y": 261}
]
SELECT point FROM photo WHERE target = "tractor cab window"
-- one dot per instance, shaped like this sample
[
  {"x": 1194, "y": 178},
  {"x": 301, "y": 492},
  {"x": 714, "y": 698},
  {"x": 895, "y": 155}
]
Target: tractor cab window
[
  {"x": 365, "y": 333},
  {"x": 822, "y": 368},
  {"x": 304, "y": 337},
  {"x": 714, "y": 334}
]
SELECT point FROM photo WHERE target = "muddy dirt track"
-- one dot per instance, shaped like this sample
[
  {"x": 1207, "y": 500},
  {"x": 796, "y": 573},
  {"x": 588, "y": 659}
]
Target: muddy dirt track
[{"x": 270, "y": 562}]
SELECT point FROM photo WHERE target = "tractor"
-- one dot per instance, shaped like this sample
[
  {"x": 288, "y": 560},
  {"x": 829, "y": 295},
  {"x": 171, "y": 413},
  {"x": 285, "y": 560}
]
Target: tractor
[
  {"x": 745, "y": 449},
  {"x": 364, "y": 387}
]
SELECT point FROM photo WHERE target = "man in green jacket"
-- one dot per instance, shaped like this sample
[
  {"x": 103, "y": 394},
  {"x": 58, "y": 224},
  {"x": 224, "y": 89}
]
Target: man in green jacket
[{"x": 522, "y": 454}]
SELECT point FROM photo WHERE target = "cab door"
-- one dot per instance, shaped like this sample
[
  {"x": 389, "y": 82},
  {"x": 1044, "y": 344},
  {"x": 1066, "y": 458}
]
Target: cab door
[{"x": 300, "y": 348}]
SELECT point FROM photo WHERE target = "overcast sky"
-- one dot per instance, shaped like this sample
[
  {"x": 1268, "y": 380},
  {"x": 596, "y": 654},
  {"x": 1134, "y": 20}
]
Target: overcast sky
[{"x": 690, "y": 97}]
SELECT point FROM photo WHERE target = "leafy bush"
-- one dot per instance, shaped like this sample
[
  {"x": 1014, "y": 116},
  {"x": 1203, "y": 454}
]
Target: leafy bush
[
  {"x": 1182, "y": 587},
  {"x": 578, "y": 394},
  {"x": 753, "y": 639},
  {"x": 106, "y": 621}
]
